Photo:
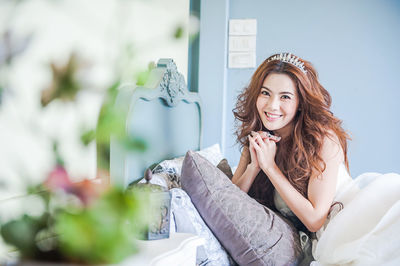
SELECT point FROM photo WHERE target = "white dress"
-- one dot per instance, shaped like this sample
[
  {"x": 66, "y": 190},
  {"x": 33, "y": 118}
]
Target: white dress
[{"x": 367, "y": 230}]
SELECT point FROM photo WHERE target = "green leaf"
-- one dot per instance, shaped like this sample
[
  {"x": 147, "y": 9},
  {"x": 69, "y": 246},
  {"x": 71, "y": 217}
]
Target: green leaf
[
  {"x": 88, "y": 136},
  {"x": 57, "y": 155},
  {"x": 21, "y": 233},
  {"x": 102, "y": 233},
  {"x": 142, "y": 77},
  {"x": 178, "y": 32},
  {"x": 134, "y": 144}
]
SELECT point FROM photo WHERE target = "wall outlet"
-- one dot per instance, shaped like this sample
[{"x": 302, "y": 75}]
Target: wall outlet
[
  {"x": 242, "y": 43},
  {"x": 242, "y": 27},
  {"x": 242, "y": 60}
]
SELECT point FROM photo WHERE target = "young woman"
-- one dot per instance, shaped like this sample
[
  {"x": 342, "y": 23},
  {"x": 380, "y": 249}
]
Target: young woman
[{"x": 294, "y": 157}]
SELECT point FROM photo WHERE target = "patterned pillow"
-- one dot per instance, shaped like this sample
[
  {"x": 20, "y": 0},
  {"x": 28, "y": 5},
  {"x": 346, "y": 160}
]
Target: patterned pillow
[
  {"x": 170, "y": 170},
  {"x": 250, "y": 232},
  {"x": 187, "y": 220}
]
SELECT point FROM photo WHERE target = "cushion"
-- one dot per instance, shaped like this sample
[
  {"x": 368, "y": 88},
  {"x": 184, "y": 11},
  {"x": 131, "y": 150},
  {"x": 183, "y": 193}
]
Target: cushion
[
  {"x": 249, "y": 231},
  {"x": 188, "y": 220},
  {"x": 170, "y": 170},
  {"x": 225, "y": 168}
]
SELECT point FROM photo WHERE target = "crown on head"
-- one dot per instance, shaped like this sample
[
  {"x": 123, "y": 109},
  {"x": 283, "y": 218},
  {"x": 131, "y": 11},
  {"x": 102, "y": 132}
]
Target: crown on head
[{"x": 289, "y": 58}]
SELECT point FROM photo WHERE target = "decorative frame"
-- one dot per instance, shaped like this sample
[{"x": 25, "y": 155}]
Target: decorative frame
[{"x": 165, "y": 89}]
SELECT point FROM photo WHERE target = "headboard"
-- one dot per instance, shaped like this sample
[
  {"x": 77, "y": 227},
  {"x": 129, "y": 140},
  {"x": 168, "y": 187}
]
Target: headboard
[{"x": 164, "y": 114}]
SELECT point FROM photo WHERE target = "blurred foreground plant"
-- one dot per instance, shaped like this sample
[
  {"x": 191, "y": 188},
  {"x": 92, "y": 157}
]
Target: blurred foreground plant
[{"x": 82, "y": 222}]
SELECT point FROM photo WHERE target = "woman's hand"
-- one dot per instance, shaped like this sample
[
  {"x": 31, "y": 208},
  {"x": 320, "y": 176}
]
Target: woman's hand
[
  {"x": 263, "y": 149},
  {"x": 253, "y": 156},
  {"x": 266, "y": 135}
]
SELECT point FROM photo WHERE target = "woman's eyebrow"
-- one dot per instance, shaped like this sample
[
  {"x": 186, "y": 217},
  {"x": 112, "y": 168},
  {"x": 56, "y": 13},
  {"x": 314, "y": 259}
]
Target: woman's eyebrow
[{"x": 282, "y": 92}]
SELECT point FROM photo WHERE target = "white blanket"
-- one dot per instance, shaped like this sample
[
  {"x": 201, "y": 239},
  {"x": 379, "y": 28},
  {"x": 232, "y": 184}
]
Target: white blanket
[{"x": 367, "y": 230}]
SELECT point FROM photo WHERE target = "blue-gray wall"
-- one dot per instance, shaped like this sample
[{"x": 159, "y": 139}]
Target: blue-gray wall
[{"x": 354, "y": 46}]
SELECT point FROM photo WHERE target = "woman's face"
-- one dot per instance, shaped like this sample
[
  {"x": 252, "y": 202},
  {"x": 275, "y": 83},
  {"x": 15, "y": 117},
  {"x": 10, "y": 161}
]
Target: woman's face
[{"x": 277, "y": 103}]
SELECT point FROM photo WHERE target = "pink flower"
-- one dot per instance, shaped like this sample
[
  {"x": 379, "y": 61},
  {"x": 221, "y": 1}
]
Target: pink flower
[
  {"x": 86, "y": 190},
  {"x": 58, "y": 179}
]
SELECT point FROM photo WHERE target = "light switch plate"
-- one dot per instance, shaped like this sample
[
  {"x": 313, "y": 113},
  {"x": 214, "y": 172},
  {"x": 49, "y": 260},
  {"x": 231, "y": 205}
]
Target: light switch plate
[
  {"x": 242, "y": 27},
  {"x": 242, "y": 43},
  {"x": 242, "y": 60}
]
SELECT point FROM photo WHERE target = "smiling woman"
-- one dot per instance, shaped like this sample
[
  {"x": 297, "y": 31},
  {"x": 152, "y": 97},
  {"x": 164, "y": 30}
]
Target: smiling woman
[
  {"x": 278, "y": 103},
  {"x": 304, "y": 175}
]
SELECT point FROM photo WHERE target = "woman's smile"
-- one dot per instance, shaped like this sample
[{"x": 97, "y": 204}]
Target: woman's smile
[
  {"x": 272, "y": 117},
  {"x": 277, "y": 103}
]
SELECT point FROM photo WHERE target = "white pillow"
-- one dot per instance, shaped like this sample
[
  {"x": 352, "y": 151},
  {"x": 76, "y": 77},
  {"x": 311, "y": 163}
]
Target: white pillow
[
  {"x": 184, "y": 216},
  {"x": 187, "y": 220},
  {"x": 212, "y": 154},
  {"x": 170, "y": 170},
  {"x": 157, "y": 179}
]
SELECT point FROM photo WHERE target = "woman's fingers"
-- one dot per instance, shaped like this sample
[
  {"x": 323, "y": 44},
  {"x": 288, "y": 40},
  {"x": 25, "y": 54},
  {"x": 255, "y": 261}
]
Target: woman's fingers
[
  {"x": 254, "y": 143},
  {"x": 267, "y": 135},
  {"x": 257, "y": 137},
  {"x": 253, "y": 135}
]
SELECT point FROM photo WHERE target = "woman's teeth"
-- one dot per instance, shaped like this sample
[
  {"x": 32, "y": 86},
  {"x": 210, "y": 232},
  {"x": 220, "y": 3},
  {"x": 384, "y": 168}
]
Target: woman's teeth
[{"x": 272, "y": 115}]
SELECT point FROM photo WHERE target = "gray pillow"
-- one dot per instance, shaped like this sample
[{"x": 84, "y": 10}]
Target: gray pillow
[
  {"x": 224, "y": 166},
  {"x": 250, "y": 232}
]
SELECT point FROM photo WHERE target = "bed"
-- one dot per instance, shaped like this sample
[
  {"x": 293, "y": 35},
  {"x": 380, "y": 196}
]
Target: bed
[
  {"x": 236, "y": 228},
  {"x": 167, "y": 117},
  {"x": 162, "y": 113}
]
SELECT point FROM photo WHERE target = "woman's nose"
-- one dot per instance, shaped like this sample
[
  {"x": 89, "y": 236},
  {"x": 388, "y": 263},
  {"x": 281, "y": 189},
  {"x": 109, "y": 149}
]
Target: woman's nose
[{"x": 274, "y": 103}]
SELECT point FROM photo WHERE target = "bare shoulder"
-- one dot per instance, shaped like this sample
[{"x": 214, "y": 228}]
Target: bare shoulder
[{"x": 331, "y": 147}]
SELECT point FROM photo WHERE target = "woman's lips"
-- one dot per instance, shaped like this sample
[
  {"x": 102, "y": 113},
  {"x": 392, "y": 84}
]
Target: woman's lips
[{"x": 272, "y": 117}]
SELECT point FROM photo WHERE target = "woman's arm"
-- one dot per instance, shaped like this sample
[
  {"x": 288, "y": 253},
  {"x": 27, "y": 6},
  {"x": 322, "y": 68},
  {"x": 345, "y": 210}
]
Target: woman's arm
[
  {"x": 321, "y": 189},
  {"x": 246, "y": 172}
]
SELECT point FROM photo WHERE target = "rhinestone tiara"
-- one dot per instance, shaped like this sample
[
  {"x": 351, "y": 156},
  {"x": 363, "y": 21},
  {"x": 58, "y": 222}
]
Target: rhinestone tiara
[{"x": 289, "y": 58}]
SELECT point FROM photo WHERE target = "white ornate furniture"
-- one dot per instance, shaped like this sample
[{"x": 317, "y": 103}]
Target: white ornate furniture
[{"x": 178, "y": 250}]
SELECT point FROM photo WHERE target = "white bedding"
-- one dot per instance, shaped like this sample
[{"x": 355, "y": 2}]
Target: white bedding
[
  {"x": 365, "y": 232},
  {"x": 184, "y": 216}
]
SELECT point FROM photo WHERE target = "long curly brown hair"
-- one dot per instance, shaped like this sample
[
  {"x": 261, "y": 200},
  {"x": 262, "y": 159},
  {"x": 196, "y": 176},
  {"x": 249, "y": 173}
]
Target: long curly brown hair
[{"x": 298, "y": 156}]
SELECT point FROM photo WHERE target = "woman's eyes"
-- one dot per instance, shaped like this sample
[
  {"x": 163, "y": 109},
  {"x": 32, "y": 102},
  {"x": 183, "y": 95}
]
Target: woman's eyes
[{"x": 284, "y": 97}]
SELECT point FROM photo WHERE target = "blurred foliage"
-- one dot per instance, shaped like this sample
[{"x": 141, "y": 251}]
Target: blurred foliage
[
  {"x": 64, "y": 84},
  {"x": 82, "y": 223},
  {"x": 143, "y": 76},
  {"x": 179, "y": 31},
  {"x": 105, "y": 231},
  {"x": 59, "y": 160},
  {"x": 22, "y": 233},
  {"x": 111, "y": 122},
  {"x": 10, "y": 47},
  {"x": 88, "y": 136}
]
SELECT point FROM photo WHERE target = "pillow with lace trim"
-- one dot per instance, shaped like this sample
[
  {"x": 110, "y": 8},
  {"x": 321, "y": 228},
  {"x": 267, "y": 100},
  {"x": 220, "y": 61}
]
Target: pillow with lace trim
[
  {"x": 170, "y": 170},
  {"x": 249, "y": 231}
]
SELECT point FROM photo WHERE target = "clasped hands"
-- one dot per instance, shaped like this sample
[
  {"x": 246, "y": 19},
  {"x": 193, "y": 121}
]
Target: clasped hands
[{"x": 262, "y": 147}]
